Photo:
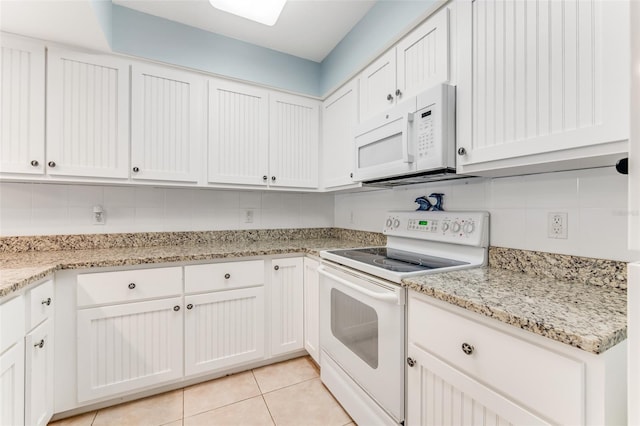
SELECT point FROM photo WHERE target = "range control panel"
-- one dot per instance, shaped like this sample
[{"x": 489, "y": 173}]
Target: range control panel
[{"x": 469, "y": 228}]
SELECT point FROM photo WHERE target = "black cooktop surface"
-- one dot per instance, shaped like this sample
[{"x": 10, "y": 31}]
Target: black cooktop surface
[{"x": 397, "y": 260}]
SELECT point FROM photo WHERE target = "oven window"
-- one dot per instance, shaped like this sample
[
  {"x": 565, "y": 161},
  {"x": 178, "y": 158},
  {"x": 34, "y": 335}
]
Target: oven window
[{"x": 355, "y": 325}]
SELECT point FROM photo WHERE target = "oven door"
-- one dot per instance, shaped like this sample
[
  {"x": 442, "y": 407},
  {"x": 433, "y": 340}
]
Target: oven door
[{"x": 362, "y": 330}]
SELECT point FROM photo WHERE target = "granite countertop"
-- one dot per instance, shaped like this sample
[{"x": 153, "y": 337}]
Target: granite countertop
[
  {"x": 592, "y": 318},
  {"x": 18, "y": 270}
]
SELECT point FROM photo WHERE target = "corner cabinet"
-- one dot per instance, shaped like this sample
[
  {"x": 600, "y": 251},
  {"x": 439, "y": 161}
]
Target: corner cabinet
[
  {"x": 287, "y": 301},
  {"x": 22, "y": 112},
  {"x": 166, "y": 118},
  {"x": 543, "y": 86},
  {"x": 464, "y": 369}
]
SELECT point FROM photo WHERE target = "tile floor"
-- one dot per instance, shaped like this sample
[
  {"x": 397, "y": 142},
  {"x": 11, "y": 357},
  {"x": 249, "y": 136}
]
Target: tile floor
[{"x": 287, "y": 393}]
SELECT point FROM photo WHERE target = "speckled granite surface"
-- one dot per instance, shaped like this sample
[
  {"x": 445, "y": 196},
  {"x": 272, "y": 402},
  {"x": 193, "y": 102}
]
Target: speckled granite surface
[
  {"x": 18, "y": 270},
  {"x": 599, "y": 272},
  {"x": 592, "y": 318}
]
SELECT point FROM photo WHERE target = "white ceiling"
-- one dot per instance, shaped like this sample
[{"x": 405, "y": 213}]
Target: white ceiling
[{"x": 308, "y": 29}]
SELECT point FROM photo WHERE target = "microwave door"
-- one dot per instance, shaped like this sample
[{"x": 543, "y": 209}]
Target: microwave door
[{"x": 385, "y": 150}]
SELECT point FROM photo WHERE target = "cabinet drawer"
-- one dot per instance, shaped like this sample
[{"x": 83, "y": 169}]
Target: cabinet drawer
[
  {"x": 548, "y": 382},
  {"x": 12, "y": 320},
  {"x": 40, "y": 304},
  {"x": 223, "y": 276},
  {"x": 126, "y": 286}
]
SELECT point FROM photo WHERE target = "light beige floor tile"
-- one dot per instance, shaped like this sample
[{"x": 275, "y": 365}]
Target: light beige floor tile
[
  {"x": 250, "y": 412},
  {"x": 283, "y": 374},
  {"x": 153, "y": 411},
  {"x": 176, "y": 423},
  {"x": 217, "y": 393},
  {"x": 307, "y": 403},
  {"x": 80, "y": 420}
]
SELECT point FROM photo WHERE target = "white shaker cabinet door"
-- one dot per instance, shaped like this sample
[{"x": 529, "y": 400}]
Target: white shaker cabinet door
[
  {"x": 126, "y": 347},
  {"x": 339, "y": 120},
  {"x": 539, "y": 78},
  {"x": 238, "y": 133},
  {"x": 39, "y": 392},
  {"x": 287, "y": 299},
  {"x": 166, "y": 134},
  {"x": 22, "y": 112},
  {"x": 12, "y": 385},
  {"x": 223, "y": 329},
  {"x": 87, "y": 115},
  {"x": 293, "y": 141},
  {"x": 378, "y": 86}
]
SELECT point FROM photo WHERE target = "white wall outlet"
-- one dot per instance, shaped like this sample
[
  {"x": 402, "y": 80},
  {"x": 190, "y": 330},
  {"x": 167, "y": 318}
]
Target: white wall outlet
[
  {"x": 248, "y": 216},
  {"x": 99, "y": 216},
  {"x": 557, "y": 225}
]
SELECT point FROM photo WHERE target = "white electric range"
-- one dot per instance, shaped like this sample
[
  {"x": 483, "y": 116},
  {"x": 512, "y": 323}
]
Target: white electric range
[{"x": 362, "y": 305}]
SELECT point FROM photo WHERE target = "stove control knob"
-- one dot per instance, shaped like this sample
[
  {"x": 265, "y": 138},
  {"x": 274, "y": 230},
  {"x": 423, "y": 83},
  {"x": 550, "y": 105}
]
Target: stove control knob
[
  {"x": 455, "y": 227},
  {"x": 445, "y": 227},
  {"x": 396, "y": 223},
  {"x": 389, "y": 223},
  {"x": 469, "y": 227}
]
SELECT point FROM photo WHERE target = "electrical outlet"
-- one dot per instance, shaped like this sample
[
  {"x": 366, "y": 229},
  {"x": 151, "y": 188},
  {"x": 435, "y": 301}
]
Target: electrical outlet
[
  {"x": 248, "y": 216},
  {"x": 557, "y": 224},
  {"x": 99, "y": 216}
]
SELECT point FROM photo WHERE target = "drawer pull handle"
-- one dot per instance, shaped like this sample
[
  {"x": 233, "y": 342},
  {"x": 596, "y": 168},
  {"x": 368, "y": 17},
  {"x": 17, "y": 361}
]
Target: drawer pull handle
[
  {"x": 467, "y": 348},
  {"x": 132, "y": 286},
  {"x": 46, "y": 301},
  {"x": 411, "y": 362},
  {"x": 190, "y": 306},
  {"x": 51, "y": 164},
  {"x": 176, "y": 308},
  {"x": 35, "y": 163},
  {"x": 227, "y": 276},
  {"x": 276, "y": 267},
  {"x": 40, "y": 344}
]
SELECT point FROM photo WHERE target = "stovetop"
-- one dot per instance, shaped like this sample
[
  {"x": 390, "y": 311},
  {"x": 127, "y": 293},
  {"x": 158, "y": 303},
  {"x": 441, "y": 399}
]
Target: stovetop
[{"x": 396, "y": 260}]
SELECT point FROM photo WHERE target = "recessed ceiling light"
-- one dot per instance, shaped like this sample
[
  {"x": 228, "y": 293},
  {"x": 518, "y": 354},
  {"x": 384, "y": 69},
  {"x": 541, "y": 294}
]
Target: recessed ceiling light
[{"x": 264, "y": 11}]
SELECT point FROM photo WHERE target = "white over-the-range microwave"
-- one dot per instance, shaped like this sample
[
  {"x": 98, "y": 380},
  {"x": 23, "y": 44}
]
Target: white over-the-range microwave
[{"x": 412, "y": 142}]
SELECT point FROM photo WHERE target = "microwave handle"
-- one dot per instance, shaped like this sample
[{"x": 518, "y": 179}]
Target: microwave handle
[{"x": 406, "y": 120}]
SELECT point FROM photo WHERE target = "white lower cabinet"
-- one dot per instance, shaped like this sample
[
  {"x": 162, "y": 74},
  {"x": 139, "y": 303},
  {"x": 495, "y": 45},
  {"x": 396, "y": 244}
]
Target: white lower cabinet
[
  {"x": 312, "y": 308},
  {"x": 39, "y": 375},
  {"x": 466, "y": 369},
  {"x": 127, "y": 347},
  {"x": 287, "y": 289},
  {"x": 12, "y": 385},
  {"x": 223, "y": 329}
]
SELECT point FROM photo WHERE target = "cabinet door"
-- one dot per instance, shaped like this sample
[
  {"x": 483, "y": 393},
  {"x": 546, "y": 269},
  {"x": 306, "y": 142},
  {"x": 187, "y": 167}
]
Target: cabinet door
[
  {"x": 87, "y": 115},
  {"x": 541, "y": 77},
  {"x": 312, "y": 309},
  {"x": 439, "y": 394},
  {"x": 378, "y": 86},
  {"x": 287, "y": 306},
  {"x": 238, "y": 133},
  {"x": 127, "y": 347},
  {"x": 22, "y": 112},
  {"x": 223, "y": 329},
  {"x": 293, "y": 141},
  {"x": 423, "y": 56},
  {"x": 166, "y": 119},
  {"x": 39, "y": 374},
  {"x": 339, "y": 120},
  {"x": 12, "y": 385}
]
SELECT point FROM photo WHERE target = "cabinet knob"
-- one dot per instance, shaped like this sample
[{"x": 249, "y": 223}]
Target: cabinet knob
[
  {"x": 467, "y": 348},
  {"x": 411, "y": 362},
  {"x": 462, "y": 151},
  {"x": 276, "y": 267},
  {"x": 264, "y": 178},
  {"x": 46, "y": 301},
  {"x": 40, "y": 344},
  {"x": 190, "y": 306},
  {"x": 389, "y": 97},
  {"x": 351, "y": 175},
  {"x": 136, "y": 169},
  {"x": 132, "y": 285},
  {"x": 176, "y": 308},
  {"x": 273, "y": 178},
  {"x": 35, "y": 163},
  {"x": 398, "y": 92},
  {"x": 51, "y": 163},
  {"x": 227, "y": 276}
]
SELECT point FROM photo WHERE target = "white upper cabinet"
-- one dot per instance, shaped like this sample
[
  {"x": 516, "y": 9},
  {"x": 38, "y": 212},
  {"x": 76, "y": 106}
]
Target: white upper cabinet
[
  {"x": 238, "y": 133},
  {"x": 339, "y": 119},
  {"x": 22, "y": 111},
  {"x": 418, "y": 61},
  {"x": 293, "y": 141},
  {"x": 166, "y": 115},
  {"x": 87, "y": 115},
  {"x": 541, "y": 82}
]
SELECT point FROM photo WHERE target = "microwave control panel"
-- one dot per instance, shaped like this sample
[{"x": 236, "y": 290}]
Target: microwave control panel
[
  {"x": 434, "y": 128},
  {"x": 425, "y": 139}
]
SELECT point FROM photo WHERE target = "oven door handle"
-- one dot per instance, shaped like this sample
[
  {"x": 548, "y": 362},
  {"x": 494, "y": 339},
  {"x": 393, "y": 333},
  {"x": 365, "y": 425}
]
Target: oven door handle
[{"x": 389, "y": 298}]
